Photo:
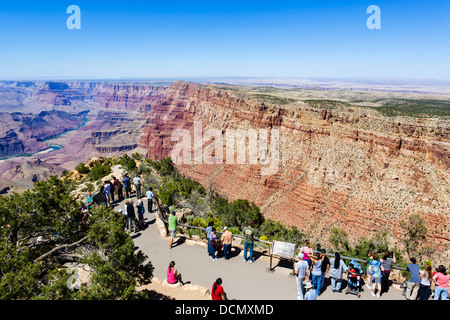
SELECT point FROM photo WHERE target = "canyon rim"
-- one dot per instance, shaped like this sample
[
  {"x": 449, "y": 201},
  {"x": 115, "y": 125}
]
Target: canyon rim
[{"x": 343, "y": 162}]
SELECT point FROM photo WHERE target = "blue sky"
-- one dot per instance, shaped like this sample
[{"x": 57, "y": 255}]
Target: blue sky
[{"x": 154, "y": 39}]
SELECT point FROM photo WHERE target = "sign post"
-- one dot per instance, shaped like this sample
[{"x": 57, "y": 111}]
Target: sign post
[{"x": 284, "y": 250}]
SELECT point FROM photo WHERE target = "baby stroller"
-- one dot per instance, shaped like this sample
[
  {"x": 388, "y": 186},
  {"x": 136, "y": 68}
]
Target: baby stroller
[
  {"x": 354, "y": 281},
  {"x": 404, "y": 287}
]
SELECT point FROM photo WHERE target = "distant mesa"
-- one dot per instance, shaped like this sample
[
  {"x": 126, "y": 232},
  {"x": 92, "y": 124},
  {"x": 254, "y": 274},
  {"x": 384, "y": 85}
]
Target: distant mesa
[
  {"x": 57, "y": 86},
  {"x": 25, "y": 84}
]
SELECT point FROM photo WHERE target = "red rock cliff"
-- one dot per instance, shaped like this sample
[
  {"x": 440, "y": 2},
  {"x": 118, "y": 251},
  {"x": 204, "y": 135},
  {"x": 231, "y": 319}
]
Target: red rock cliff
[{"x": 348, "y": 168}]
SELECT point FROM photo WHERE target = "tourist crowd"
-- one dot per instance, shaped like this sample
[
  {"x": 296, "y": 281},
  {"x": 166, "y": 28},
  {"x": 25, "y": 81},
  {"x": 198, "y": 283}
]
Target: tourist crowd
[{"x": 311, "y": 269}]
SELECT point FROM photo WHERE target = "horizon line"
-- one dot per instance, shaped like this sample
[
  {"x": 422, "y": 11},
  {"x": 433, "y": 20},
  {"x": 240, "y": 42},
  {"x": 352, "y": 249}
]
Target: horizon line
[{"x": 175, "y": 78}]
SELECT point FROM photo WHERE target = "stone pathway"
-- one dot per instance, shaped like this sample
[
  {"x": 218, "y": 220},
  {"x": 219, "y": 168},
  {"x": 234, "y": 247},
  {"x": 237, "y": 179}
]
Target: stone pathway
[{"x": 241, "y": 280}]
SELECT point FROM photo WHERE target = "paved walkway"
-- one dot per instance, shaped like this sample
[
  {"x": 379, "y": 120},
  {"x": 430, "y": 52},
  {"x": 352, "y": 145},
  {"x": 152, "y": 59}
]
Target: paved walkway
[{"x": 241, "y": 280}]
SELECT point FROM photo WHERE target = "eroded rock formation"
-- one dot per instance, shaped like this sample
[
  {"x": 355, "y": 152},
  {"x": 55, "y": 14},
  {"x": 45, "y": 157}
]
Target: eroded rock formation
[{"x": 348, "y": 168}]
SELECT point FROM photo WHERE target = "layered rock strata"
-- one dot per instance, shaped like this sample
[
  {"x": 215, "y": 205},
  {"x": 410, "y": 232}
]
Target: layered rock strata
[{"x": 347, "y": 168}]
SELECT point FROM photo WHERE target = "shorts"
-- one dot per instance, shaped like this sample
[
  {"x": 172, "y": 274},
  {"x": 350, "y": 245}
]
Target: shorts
[
  {"x": 377, "y": 280},
  {"x": 172, "y": 232}
]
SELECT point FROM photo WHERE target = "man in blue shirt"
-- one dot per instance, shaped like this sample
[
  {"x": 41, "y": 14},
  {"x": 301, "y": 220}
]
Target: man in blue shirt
[
  {"x": 302, "y": 273},
  {"x": 414, "y": 280},
  {"x": 149, "y": 194},
  {"x": 126, "y": 185}
]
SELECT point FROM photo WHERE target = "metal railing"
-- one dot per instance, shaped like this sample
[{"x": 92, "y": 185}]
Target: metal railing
[{"x": 270, "y": 243}]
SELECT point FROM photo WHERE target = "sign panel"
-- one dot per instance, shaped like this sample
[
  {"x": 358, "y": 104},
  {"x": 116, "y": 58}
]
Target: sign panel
[{"x": 283, "y": 249}]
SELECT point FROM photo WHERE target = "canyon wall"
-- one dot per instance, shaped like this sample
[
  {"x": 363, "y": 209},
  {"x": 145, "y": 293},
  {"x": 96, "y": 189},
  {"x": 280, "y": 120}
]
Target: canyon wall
[
  {"x": 106, "y": 94},
  {"x": 344, "y": 167},
  {"x": 25, "y": 132},
  {"x": 349, "y": 168}
]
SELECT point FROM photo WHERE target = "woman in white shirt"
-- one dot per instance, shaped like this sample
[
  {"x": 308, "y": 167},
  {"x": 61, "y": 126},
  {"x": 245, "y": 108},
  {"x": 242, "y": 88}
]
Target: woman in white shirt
[
  {"x": 337, "y": 267},
  {"x": 426, "y": 276}
]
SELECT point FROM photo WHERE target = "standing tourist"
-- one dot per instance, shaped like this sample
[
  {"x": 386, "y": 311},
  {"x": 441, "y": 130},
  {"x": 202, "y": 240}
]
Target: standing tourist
[
  {"x": 426, "y": 276},
  {"x": 131, "y": 216},
  {"x": 414, "y": 280},
  {"x": 140, "y": 210},
  {"x": 387, "y": 262},
  {"x": 107, "y": 191},
  {"x": 368, "y": 278},
  {"x": 214, "y": 243},
  {"x": 173, "y": 221},
  {"x": 441, "y": 278},
  {"x": 208, "y": 232},
  {"x": 112, "y": 189},
  {"x": 316, "y": 274},
  {"x": 337, "y": 267},
  {"x": 226, "y": 239},
  {"x": 375, "y": 267},
  {"x": 249, "y": 235},
  {"x": 307, "y": 252},
  {"x": 149, "y": 194},
  {"x": 118, "y": 187},
  {"x": 325, "y": 268},
  {"x": 137, "y": 185},
  {"x": 301, "y": 271},
  {"x": 125, "y": 212},
  {"x": 126, "y": 185}
]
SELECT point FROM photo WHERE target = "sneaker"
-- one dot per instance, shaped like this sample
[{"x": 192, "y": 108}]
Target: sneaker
[
  {"x": 378, "y": 296},
  {"x": 368, "y": 287},
  {"x": 245, "y": 260},
  {"x": 373, "y": 294},
  {"x": 251, "y": 261}
]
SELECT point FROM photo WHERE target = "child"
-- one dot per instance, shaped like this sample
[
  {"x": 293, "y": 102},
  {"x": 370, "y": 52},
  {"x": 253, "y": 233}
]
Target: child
[{"x": 310, "y": 294}]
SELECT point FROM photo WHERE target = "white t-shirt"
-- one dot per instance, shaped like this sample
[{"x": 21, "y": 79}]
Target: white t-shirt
[
  {"x": 337, "y": 272},
  {"x": 425, "y": 281},
  {"x": 317, "y": 268},
  {"x": 301, "y": 267}
]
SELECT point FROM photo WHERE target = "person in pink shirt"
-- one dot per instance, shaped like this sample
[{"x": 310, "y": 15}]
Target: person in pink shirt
[
  {"x": 441, "y": 278},
  {"x": 307, "y": 252},
  {"x": 172, "y": 274}
]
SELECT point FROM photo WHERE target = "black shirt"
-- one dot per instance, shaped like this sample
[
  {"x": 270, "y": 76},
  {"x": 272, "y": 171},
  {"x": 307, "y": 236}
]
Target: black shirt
[
  {"x": 325, "y": 263},
  {"x": 130, "y": 211}
]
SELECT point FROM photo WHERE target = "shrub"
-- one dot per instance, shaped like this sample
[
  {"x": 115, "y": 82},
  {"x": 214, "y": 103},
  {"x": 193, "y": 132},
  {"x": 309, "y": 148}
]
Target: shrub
[
  {"x": 82, "y": 168},
  {"x": 99, "y": 171}
]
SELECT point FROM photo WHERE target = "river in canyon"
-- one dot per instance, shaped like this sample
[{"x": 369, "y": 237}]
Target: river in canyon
[{"x": 51, "y": 147}]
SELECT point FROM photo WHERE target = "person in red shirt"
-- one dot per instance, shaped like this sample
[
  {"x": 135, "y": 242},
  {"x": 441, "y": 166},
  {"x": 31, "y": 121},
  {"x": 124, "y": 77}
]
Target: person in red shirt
[{"x": 217, "y": 292}]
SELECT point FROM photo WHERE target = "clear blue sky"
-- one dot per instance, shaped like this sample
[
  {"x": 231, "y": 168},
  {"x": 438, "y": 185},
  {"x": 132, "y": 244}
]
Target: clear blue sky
[{"x": 151, "y": 39}]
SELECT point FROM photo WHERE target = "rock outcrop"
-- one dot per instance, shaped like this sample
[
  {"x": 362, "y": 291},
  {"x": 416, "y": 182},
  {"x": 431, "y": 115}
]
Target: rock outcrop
[{"x": 11, "y": 145}]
